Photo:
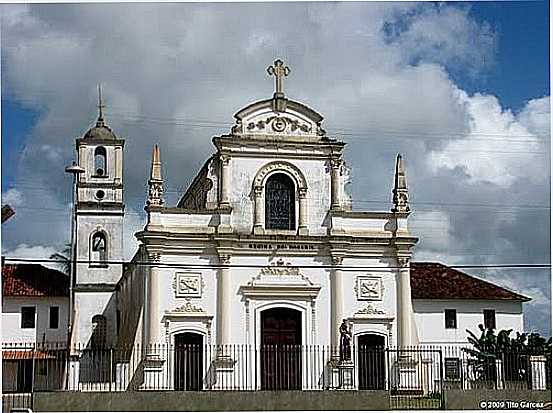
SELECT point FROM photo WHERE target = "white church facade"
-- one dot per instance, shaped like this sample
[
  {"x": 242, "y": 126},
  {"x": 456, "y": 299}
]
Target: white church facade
[{"x": 263, "y": 251}]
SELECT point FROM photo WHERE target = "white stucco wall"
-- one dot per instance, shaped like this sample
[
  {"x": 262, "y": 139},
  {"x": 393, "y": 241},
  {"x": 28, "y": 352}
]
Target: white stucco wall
[
  {"x": 87, "y": 305},
  {"x": 11, "y": 319},
  {"x": 246, "y": 309},
  {"x": 243, "y": 171},
  {"x": 112, "y": 226},
  {"x": 430, "y": 318}
]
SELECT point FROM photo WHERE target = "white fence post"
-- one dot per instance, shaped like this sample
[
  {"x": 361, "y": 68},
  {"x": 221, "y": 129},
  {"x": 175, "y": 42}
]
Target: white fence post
[{"x": 537, "y": 371}]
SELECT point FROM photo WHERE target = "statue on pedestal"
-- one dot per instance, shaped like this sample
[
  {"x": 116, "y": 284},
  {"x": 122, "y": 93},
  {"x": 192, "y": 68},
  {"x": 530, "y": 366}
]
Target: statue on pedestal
[{"x": 345, "y": 341}]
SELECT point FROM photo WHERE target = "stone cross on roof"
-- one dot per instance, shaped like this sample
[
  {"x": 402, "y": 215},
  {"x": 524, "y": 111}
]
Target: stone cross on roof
[{"x": 279, "y": 70}]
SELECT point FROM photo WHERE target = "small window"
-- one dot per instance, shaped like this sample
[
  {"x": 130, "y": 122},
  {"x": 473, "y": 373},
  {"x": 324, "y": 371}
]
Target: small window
[
  {"x": 450, "y": 318},
  {"x": 54, "y": 317},
  {"x": 27, "y": 317},
  {"x": 489, "y": 319},
  {"x": 98, "y": 254},
  {"x": 100, "y": 161},
  {"x": 452, "y": 368}
]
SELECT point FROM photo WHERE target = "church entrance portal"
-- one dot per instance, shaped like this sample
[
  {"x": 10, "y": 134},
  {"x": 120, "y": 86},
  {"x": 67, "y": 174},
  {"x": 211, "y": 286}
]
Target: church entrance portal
[
  {"x": 372, "y": 363},
  {"x": 281, "y": 349},
  {"x": 188, "y": 361}
]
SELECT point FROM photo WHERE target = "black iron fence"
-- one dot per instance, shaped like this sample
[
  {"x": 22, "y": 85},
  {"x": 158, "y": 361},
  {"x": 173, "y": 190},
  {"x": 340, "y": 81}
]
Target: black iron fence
[
  {"x": 466, "y": 369},
  {"x": 417, "y": 373}
]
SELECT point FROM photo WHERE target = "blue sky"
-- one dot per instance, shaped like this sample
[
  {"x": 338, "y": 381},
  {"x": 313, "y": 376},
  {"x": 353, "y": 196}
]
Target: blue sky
[
  {"x": 461, "y": 89},
  {"x": 521, "y": 68}
]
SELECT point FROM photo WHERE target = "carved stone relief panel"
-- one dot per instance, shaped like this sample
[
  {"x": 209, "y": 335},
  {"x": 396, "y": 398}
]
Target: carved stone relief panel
[
  {"x": 187, "y": 285},
  {"x": 368, "y": 288}
]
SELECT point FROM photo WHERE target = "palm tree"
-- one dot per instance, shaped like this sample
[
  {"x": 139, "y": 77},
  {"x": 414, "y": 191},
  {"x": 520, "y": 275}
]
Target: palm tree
[
  {"x": 64, "y": 259},
  {"x": 485, "y": 352}
]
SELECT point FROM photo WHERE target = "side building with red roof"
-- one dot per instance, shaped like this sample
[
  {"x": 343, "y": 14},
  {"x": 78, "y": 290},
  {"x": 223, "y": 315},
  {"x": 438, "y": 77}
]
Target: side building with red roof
[
  {"x": 35, "y": 315},
  {"x": 447, "y": 302},
  {"x": 35, "y": 304}
]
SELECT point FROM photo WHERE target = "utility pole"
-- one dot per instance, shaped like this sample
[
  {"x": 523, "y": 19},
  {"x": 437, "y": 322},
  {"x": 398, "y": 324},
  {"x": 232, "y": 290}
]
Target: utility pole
[{"x": 74, "y": 170}]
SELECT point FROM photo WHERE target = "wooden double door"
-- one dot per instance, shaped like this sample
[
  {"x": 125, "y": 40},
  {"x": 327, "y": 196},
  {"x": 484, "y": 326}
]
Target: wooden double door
[
  {"x": 188, "y": 361},
  {"x": 280, "y": 353}
]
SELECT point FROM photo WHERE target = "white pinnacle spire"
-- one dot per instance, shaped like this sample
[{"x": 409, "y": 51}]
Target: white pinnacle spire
[
  {"x": 155, "y": 183},
  {"x": 400, "y": 193}
]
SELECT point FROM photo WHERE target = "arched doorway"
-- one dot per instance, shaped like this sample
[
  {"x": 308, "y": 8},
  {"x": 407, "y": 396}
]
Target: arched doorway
[
  {"x": 188, "y": 361},
  {"x": 371, "y": 361},
  {"x": 281, "y": 349}
]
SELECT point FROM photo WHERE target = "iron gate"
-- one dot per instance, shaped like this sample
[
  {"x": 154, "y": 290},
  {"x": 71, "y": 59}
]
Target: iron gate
[{"x": 415, "y": 379}]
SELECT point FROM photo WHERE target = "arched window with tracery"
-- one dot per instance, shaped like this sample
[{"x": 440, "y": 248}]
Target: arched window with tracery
[
  {"x": 280, "y": 202},
  {"x": 100, "y": 161},
  {"x": 99, "y": 249}
]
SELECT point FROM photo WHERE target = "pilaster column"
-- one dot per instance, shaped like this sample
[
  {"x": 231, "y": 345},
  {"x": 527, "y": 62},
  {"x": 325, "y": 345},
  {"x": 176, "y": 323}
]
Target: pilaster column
[
  {"x": 302, "y": 219},
  {"x": 337, "y": 304},
  {"x": 153, "y": 300},
  {"x": 335, "y": 190},
  {"x": 118, "y": 164},
  {"x": 154, "y": 361},
  {"x": 224, "y": 364},
  {"x": 225, "y": 180},
  {"x": 259, "y": 210},
  {"x": 224, "y": 301},
  {"x": 404, "y": 303}
]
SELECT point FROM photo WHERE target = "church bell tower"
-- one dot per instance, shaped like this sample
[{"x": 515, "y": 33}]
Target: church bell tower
[{"x": 99, "y": 211}]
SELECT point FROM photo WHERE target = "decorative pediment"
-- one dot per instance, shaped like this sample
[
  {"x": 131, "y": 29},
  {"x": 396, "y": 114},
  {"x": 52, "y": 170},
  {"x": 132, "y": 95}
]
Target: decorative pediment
[
  {"x": 278, "y": 117},
  {"x": 280, "y": 279},
  {"x": 370, "y": 310},
  {"x": 280, "y": 273},
  {"x": 278, "y": 124},
  {"x": 371, "y": 313},
  {"x": 188, "y": 307}
]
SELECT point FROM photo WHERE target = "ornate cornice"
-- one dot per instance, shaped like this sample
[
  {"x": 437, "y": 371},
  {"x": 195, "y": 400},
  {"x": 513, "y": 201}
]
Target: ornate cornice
[
  {"x": 224, "y": 258},
  {"x": 403, "y": 262},
  {"x": 337, "y": 260},
  {"x": 154, "y": 256}
]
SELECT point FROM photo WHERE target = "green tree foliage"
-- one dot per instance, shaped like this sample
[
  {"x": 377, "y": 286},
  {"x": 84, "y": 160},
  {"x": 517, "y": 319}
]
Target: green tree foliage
[{"x": 513, "y": 351}]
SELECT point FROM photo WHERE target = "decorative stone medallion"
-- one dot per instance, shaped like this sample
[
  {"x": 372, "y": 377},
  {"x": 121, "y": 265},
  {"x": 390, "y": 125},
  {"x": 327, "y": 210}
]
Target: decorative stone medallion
[
  {"x": 187, "y": 285},
  {"x": 368, "y": 288}
]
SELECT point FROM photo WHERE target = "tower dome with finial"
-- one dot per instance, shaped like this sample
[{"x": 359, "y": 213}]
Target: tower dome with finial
[{"x": 100, "y": 131}]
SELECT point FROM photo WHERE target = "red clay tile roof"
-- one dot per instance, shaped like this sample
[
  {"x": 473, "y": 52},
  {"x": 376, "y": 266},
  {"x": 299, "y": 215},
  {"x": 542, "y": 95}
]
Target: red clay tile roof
[
  {"x": 26, "y": 354},
  {"x": 33, "y": 280},
  {"x": 432, "y": 280}
]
